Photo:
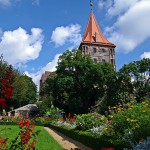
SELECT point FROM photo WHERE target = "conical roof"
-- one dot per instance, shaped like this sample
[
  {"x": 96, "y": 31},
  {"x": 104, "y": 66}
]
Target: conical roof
[{"x": 93, "y": 34}]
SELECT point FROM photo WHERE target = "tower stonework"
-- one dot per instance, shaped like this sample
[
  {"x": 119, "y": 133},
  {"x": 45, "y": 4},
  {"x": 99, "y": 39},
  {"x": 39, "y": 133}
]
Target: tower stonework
[{"x": 96, "y": 45}]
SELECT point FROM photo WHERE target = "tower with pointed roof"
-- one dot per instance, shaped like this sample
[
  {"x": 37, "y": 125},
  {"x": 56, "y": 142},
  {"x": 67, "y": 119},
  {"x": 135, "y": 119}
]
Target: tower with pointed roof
[{"x": 96, "y": 45}]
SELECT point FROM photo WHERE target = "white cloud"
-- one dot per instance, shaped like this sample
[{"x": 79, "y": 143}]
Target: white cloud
[
  {"x": 5, "y": 2},
  {"x": 132, "y": 28},
  {"x": 67, "y": 35},
  {"x": 121, "y": 6},
  {"x": 20, "y": 47},
  {"x": 145, "y": 55},
  {"x": 51, "y": 66}
]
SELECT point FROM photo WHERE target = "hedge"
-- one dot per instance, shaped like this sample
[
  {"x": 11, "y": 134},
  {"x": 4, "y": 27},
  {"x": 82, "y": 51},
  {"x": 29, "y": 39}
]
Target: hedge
[{"x": 94, "y": 141}]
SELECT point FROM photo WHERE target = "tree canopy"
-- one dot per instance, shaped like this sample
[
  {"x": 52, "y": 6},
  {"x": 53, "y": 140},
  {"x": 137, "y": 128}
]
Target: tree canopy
[{"x": 78, "y": 82}]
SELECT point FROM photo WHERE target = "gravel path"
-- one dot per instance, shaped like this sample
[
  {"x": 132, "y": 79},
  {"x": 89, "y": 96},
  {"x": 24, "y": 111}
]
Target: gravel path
[{"x": 66, "y": 142}]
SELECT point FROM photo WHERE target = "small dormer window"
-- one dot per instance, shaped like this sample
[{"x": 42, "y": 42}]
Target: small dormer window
[
  {"x": 96, "y": 37},
  {"x": 94, "y": 50}
]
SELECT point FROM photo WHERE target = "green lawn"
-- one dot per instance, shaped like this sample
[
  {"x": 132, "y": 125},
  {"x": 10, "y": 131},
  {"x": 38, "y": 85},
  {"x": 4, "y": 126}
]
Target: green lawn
[{"x": 44, "y": 140}]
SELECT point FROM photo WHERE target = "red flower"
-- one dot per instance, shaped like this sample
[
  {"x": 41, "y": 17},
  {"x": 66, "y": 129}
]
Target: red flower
[
  {"x": 110, "y": 121},
  {"x": 9, "y": 93},
  {"x": 72, "y": 119},
  {"x": 2, "y": 102},
  {"x": 21, "y": 123}
]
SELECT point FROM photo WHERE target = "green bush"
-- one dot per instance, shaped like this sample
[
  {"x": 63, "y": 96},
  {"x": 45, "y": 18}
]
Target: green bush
[
  {"x": 88, "y": 121},
  {"x": 54, "y": 113},
  {"x": 134, "y": 123},
  {"x": 96, "y": 142}
]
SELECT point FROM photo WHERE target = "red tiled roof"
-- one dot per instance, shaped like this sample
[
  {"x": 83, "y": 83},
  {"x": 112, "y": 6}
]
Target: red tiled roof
[{"x": 93, "y": 33}]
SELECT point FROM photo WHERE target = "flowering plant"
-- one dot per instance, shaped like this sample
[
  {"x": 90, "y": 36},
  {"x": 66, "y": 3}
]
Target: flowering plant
[{"x": 26, "y": 138}]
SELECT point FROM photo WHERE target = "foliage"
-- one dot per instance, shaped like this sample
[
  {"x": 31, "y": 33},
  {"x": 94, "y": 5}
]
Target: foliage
[
  {"x": 89, "y": 139},
  {"x": 134, "y": 79},
  {"x": 133, "y": 123},
  {"x": 88, "y": 121},
  {"x": 44, "y": 105},
  {"x": 54, "y": 113},
  {"x": 6, "y": 80},
  {"x": 24, "y": 92},
  {"x": 78, "y": 82}
]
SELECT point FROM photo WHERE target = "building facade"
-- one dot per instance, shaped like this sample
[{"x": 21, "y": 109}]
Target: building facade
[{"x": 96, "y": 45}]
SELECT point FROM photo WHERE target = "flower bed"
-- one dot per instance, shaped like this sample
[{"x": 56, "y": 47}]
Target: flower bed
[{"x": 96, "y": 142}]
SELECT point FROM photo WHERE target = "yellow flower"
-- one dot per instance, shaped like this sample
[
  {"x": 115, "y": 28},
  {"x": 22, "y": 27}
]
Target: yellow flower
[
  {"x": 111, "y": 116},
  {"x": 132, "y": 120}
]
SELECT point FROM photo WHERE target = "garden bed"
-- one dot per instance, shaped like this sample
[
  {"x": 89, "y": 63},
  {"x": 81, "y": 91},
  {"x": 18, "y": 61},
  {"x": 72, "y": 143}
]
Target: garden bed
[{"x": 96, "y": 142}]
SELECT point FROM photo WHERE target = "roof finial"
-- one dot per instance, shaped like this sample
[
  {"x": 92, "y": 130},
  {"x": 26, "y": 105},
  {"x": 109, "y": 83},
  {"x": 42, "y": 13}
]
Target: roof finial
[{"x": 91, "y": 5}]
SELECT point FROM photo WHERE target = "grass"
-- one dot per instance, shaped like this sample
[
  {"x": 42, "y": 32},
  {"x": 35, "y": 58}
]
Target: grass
[{"x": 44, "y": 140}]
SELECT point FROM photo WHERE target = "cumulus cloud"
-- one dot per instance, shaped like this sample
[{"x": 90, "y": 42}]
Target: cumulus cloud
[
  {"x": 131, "y": 28},
  {"x": 5, "y": 2},
  {"x": 20, "y": 47},
  {"x": 51, "y": 66},
  {"x": 120, "y": 6},
  {"x": 145, "y": 55},
  {"x": 67, "y": 35}
]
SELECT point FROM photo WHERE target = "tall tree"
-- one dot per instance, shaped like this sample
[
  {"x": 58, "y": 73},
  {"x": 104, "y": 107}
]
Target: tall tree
[
  {"x": 78, "y": 82},
  {"x": 134, "y": 79},
  {"x": 24, "y": 91}
]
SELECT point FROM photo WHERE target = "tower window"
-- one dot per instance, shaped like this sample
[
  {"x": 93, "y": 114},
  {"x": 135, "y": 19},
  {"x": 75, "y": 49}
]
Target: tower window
[
  {"x": 94, "y": 50},
  {"x": 103, "y": 50},
  {"x": 84, "y": 49},
  {"x": 111, "y": 51},
  {"x": 111, "y": 61},
  {"x": 95, "y": 60},
  {"x": 103, "y": 61}
]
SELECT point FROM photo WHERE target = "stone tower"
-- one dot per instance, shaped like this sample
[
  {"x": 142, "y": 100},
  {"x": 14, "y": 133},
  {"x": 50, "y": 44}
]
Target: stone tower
[{"x": 96, "y": 45}]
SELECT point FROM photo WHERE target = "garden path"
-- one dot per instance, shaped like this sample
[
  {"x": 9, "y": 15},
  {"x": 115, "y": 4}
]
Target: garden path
[{"x": 66, "y": 142}]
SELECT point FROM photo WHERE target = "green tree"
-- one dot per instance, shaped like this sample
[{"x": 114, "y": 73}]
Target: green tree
[
  {"x": 78, "y": 82},
  {"x": 134, "y": 79},
  {"x": 24, "y": 91}
]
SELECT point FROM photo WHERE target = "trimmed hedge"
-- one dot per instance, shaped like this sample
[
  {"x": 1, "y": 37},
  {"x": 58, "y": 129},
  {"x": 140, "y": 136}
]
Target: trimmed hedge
[{"x": 94, "y": 141}]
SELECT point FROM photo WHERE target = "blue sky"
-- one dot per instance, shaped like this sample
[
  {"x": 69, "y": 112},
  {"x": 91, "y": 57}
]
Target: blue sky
[{"x": 34, "y": 33}]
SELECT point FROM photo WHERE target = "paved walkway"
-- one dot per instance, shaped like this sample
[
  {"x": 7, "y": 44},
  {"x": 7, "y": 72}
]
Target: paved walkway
[{"x": 66, "y": 142}]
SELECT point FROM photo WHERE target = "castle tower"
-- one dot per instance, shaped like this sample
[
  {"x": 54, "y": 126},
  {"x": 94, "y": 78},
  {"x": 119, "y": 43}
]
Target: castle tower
[{"x": 96, "y": 45}]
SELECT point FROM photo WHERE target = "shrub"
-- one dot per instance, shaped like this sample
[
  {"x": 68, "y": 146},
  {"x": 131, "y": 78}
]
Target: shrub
[
  {"x": 96, "y": 142},
  {"x": 88, "y": 121},
  {"x": 54, "y": 113},
  {"x": 134, "y": 123}
]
